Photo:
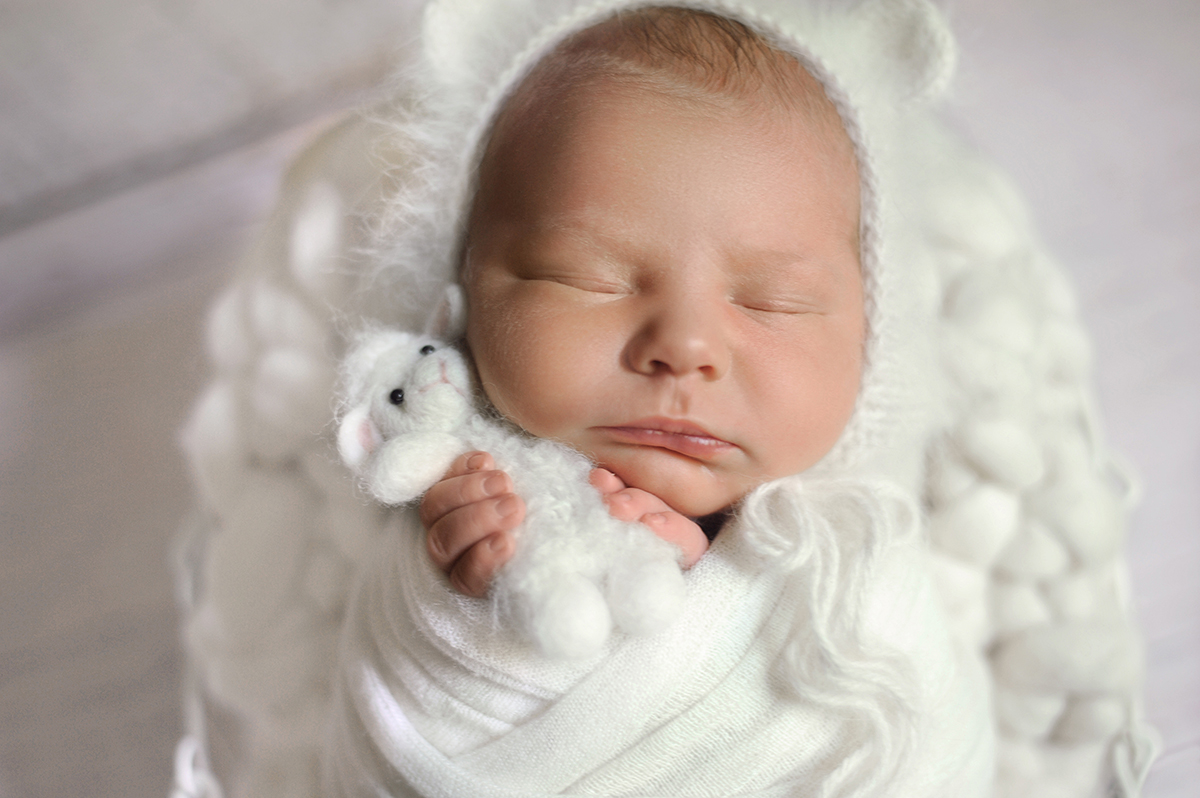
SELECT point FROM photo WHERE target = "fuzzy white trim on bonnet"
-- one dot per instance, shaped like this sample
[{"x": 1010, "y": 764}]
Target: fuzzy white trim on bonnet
[{"x": 282, "y": 531}]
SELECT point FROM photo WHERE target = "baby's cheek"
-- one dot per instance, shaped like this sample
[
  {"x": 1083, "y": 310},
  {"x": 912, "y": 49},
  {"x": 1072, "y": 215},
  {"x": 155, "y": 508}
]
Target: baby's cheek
[
  {"x": 828, "y": 377},
  {"x": 526, "y": 374},
  {"x": 497, "y": 340}
]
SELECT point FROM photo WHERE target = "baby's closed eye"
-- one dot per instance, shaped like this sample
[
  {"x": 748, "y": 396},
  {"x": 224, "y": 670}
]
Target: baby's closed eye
[
  {"x": 575, "y": 258},
  {"x": 787, "y": 297},
  {"x": 781, "y": 302},
  {"x": 789, "y": 288},
  {"x": 583, "y": 275}
]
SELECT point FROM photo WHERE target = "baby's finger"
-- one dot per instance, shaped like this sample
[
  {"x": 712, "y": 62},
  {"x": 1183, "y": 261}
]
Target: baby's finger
[
  {"x": 473, "y": 571},
  {"x": 605, "y": 481},
  {"x": 680, "y": 530},
  {"x": 457, "y": 491},
  {"x": 460, "y": 529},
  {"x": 471, "y": 461},
  {"x": 630, "y": 504}
]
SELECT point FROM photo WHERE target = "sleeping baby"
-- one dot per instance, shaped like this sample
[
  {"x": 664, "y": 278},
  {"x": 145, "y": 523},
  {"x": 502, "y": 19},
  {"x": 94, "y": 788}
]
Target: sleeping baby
[
  {"x": 662, "y": 269},
  {"x": 670, "y": 228}
]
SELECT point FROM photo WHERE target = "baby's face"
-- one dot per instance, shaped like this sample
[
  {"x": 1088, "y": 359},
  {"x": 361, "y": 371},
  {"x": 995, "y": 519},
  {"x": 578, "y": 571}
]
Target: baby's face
[{"x": 673, "y": 289}]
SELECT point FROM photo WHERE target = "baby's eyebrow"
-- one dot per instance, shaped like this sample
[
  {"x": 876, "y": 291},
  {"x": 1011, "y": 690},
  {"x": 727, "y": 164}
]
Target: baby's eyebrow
[
  {"x": 768, "y": 269},
  {"x": 607, "y": 234},
  {"x": 774, "y": 263},
  {"x": 770, "y": 259},
  {"x": 616, "y": 240},
  {"x": 609, "y": 241}
]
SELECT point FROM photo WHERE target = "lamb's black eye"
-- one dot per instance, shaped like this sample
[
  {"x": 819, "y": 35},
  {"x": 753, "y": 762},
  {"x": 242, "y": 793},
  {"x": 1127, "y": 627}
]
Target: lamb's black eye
[
  {"x": 428, "y": 349},
  {"x": 396, "y": 397}
]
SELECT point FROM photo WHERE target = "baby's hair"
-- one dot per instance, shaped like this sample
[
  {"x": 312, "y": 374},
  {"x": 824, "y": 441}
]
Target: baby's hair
[
  {"x": 675, "y": 53},
  {"x": 694, "y": 54},
  {"x": 686, "y": 53}
]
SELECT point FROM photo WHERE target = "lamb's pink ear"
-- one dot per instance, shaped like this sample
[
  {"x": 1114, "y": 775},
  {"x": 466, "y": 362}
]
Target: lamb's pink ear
[
  {"x": 448, "y": 321},
  {"x": 357, "y": 436}
]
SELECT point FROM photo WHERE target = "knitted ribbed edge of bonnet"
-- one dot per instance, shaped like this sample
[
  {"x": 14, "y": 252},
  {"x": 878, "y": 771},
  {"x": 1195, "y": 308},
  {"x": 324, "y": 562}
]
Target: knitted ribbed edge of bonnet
[{"x": 875, "y": 60}]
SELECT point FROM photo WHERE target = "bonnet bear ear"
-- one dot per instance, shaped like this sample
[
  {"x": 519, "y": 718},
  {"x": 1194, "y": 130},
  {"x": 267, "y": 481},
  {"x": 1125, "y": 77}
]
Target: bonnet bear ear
[
  {"x": 912, "y": 44},
  {"x": 890, "y": 50},
  {"x": 449, "y": 319}
]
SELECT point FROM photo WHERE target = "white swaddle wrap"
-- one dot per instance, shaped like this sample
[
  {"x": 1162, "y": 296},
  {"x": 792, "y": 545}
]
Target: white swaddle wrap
[{"x": 437, "y": 701}]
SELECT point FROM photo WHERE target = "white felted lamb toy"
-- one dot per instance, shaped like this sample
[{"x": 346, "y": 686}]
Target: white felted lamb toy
[{"x": 577, "y": 569}]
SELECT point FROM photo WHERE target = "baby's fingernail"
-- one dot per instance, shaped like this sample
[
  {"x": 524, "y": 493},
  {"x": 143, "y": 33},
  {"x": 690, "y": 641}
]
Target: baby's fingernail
[
  {"x": 506, "y": 506},
  {"x": 495, "y": 484},
  {"x": 497, "y": 543},
  {"x": 476, "y": 461},
  {"x": 654, "y": 519}
]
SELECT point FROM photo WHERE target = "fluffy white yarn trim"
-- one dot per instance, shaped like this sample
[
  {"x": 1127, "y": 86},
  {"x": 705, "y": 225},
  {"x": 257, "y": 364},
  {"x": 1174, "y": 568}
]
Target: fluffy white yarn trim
[{"x": 828, "y": 537}]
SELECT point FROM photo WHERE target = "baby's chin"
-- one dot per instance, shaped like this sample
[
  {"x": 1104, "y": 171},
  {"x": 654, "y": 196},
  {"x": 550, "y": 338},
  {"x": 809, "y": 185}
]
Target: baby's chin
[{"x": 687, "y": 486}]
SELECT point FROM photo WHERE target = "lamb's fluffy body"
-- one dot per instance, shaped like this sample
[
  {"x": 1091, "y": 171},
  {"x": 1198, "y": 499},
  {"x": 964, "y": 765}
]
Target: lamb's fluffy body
[{"x": 576, "y": 569}]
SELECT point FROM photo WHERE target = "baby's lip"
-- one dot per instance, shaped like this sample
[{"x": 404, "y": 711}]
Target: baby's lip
[{"x": 676, "y": 435}]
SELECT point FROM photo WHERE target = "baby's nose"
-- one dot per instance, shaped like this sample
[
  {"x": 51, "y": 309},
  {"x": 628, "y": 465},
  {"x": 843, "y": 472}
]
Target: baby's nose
[{"x": 679, "y": 338}]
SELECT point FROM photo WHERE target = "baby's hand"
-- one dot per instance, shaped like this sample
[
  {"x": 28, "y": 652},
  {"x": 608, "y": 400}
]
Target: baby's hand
[
  {"x": 468, "y": 516},
  {"x": 633, "y": 504}
]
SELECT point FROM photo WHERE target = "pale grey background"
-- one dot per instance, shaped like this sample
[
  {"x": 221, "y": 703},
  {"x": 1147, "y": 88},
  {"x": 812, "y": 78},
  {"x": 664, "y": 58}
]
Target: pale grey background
[{"x": 140, "y": 140}]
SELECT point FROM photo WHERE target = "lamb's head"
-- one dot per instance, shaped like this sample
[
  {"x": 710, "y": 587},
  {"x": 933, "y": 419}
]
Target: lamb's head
[{"x": 396, "y": 383}]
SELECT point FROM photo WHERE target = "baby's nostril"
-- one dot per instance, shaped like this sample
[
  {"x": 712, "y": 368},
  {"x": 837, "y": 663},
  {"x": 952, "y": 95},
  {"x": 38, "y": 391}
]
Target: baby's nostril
[{"x": 428, "y": 349}]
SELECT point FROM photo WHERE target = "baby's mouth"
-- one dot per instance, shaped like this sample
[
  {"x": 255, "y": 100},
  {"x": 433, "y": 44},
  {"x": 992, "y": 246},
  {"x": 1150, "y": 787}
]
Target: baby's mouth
[{"x": 676, "y": 435}]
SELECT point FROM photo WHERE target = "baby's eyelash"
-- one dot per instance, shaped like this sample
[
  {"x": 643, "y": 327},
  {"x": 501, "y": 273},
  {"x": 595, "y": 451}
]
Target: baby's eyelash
[
  {"x": 791, "y": 307},
  {"x": 582, "y": 282}
]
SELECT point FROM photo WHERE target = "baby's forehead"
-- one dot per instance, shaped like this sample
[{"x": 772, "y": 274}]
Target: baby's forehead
[
  {"x": 669, "y": 54},
  {"x": 709, "y": 76}
]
